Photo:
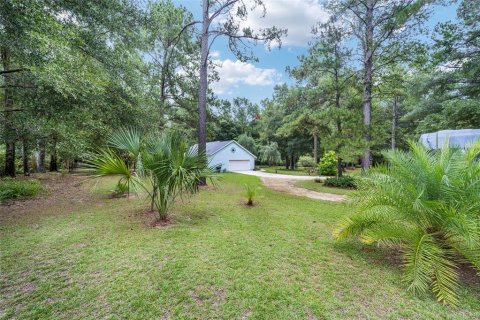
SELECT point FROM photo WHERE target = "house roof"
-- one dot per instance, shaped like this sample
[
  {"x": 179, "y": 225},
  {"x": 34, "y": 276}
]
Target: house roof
[{"x": 215, "y": 146}]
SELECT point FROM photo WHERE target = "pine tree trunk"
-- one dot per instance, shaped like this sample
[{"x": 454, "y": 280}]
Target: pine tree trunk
[
  {"x": 202, "y": 94},
  {"x": 339, "y": 127},
  {"x": 315, "y": 148},
  {"x": 163, "y": 87},
  {"x": 287, "y": 162},
  {"x": 7, "y": 109},
  {"x": 339, "y": 167},
  {"x": 26, "y": 167},
  {"x": 53, "y": 156},
  {"x": 394, "y": 121},
  {"x": 53, "y": 163},
  {"x": 367, "y": 82},
  {"x": 41, "y": 157}
]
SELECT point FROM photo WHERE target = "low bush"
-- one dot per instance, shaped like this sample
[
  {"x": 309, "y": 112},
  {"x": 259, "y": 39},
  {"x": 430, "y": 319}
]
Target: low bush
[
  {"x": 345, "y": 182},
  {"x": 328, "y": 164},
  {"x": 425, "y": 205},
  {"x": 306, "y": 162},
  {"x": 250, "y": 193},
  {"x": 14, "y": 189}
]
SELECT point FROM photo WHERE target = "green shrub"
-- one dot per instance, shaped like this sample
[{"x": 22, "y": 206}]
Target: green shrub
[
  {"x": 306, "y": 162},
  {"x": 345, "y": 182},
  {"x": 425, "y": 205},
  {"x": 122, "y": 187},
  {"x": 13, "y": 189},
  {"x": 328, "y": 164}
]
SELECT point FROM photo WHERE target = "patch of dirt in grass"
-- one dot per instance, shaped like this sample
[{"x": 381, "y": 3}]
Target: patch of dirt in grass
[
  {"x": 208, "y": 187},
  {"x": 207, "y": 294},
  {"x": 468, "y": 275},
  {"x": 63, "y": 193},
  {"x": 310, "y": 315},
  {"x": 196, "y": 297},
  {"x": 246, "y": 314},
  {"x": 151, "y": 220},
  {"x": 166, "y": 316}
]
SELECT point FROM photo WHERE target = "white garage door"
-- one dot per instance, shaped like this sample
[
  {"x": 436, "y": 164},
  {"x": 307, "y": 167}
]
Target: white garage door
[{"x": 239, "y": 165}]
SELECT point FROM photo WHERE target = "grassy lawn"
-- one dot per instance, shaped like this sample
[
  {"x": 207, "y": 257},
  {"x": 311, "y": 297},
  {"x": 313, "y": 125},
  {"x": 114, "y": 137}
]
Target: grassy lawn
[
  {"x": 319, "y": 187},
  {"x": 303, "y": 172},
  {"x": 353, "y": 172},
  {"x": 92, "y": 257},
  {"x": 282, "y": 170}
]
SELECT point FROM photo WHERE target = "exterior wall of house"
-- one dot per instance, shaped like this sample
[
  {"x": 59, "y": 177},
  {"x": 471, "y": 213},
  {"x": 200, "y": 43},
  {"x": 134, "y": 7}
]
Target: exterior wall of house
[{"x": 223, "y": 157}]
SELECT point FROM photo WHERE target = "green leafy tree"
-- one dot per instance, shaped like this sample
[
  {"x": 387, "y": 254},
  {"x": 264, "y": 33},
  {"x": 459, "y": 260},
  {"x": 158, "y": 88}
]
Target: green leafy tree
[
  {"x": 270, "y": 154},
  {"x": 331, "y": 84},
  {"x": 248, "y": 142},
  {"x": 424, "y": 204},
  {"x": 170, "y": 47},
  {"x": 384, "y": 33},
  {"x": 286, "y": 122}
]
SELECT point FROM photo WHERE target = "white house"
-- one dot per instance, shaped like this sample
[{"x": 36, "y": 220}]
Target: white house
[{"x": 229, "y": 156}]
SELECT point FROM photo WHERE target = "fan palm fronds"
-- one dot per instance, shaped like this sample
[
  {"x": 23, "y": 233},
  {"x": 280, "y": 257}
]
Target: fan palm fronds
[
  {"x": 165, "y": 168},
  {"x": 127, "y": 139},
  {"x": 108, "y": 162}
]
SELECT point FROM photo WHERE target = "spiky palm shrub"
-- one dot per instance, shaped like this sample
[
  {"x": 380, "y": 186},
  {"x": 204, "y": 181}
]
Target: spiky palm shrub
[
  {"x": 427, "y": 205},
  {"x": 174, "y": 170},
  {"x": 165, "y": 167},
  {"x": 108, "y": 162},
  {"x": 250, "y": 193}
]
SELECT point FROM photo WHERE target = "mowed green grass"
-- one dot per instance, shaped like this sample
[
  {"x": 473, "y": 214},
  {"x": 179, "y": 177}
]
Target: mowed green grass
[
  {"x": 219, "y": 260},
  {"x": 303, "y": 172},
  {"x": 282, "y": 170},
  {"x": 319, "y": 187}
]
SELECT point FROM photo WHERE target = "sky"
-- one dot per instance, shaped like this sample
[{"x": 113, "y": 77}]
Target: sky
[{"x": 256, "y": 80}]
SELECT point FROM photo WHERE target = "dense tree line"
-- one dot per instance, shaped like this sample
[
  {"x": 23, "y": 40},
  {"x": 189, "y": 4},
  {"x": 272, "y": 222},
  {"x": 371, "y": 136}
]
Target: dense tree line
[
  {"x": 414, "y": 83},
  {"x": 74, "y": 71}
]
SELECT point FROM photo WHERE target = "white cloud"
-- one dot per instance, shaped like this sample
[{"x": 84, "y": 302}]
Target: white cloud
[
  {"x": 214, "y": 54},
  {"x": 298, "y": 16},
  {"x": 235, "y": 73}
]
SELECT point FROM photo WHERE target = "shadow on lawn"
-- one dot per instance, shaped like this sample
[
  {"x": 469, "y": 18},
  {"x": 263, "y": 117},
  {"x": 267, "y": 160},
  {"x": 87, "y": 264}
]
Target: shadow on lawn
[{"x": 392, "y": 260}]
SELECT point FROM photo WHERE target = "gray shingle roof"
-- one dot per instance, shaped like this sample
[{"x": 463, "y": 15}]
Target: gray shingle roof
[{"x": 212, "y": 147}]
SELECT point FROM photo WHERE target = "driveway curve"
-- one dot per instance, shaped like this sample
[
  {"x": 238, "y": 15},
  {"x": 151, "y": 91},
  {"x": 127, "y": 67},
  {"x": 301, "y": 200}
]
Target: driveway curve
[{"x": 286, "y": 183}]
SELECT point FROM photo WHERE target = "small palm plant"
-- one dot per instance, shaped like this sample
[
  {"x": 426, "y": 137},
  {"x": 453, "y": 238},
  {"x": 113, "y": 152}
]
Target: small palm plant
[
  {"x": 427, "y": 205},
  {"x": 250, "y": 193},
  {"x": 162, "y": 165},
  {"x": 173, "y": 170}
]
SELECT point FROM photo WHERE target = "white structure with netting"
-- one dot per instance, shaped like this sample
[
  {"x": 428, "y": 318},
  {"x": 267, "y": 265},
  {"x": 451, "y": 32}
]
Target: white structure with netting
[{"x": 462, "y": 138}]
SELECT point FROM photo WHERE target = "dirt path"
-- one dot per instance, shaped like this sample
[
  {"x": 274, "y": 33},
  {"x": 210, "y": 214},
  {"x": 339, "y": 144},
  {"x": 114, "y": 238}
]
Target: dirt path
[
  {"x": 288, "y": 186},
  {"x": 62, "y": 193}
]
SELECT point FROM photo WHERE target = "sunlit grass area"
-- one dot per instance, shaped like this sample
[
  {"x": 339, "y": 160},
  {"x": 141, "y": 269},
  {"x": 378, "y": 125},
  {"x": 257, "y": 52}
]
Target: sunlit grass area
[
  {"x": 319, "y": 187},
  {"x": 218, "y": 259},
  {"x": 282, "y": 170}
]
